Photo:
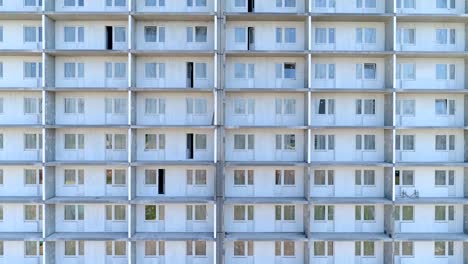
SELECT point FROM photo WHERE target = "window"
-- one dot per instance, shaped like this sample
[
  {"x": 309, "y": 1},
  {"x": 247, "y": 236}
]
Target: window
[
  {"x": 365, "y": 106},
  {"x": 240, "y": 34},
  {"x": 441, "y": 142},
  {"x": 72, "y": 3},
  {"x": 407, "y": 177},
  {"x": 443, "y": 248},
  {"x": 1, "y": 176},
  {"x": 406, "y": 4},
  {"x": 244, "y": 142},
  {"x": 31, "y": 34},
  {"x": 364, "y": 177},
  {"x": 289, "y": 35},
  {"x": 285, "y": 3},
  {"x": 324, "y": 71},
  {"x": 74, "y": 141},
  {"x": 1, "y": 141},
  {"x": 32, "y": 176},
  {"x": 364, "y": 212},
  {"x": 445, "y": 36},
  {"x": 155, "y": 70},
  {"x": 32, "y": 69},
  {"x": 32, "y": 141},
  {"x": 323, "y": 177},
  {"x": 324, "y": 212},
  {"x": 244, "y": 71},
  {"x": 32, "y": 212},
  {"x": 155, "y": 106},
  {"x": 285, "y": 177},
  {"x": 1, "y": 76},
  {"x": 406, "y": 249},
  {"x": 239, "y": 3},
  {"x": 444, "y": 178},
  {"x": 159, "y": 3},
  {"x": 243, "y": 212},
  {"x": 445, "y": 71},
  {"x": 364, "y": 248},
  {"x": 155, "y": 212},
  {"x": 196, "y": 212},
  {"x": 323, "y": 248},
  {"x": 366, "y": 4},
  {"x": 404, "y": 213},
  {"x": 285, "y": 248},
  {"x": 406, "y": 107},
  {"x": 326, "y": 107},
  {"x": 116, "y": 176},
  {"x": 368, "y": 144},
  {"x": 116, "y": 212},
  {"x": 155, "y": 142},
  {"x": 73, "y": 34},
  {"x": 369, "y": 72},
  {"x": 119, "y": 70},
  {"x": 406, "y": 71},
  {"x": 198, "y": 178},
  {"x": 325, "y": 3},
  {"x": 155, "y": 248},
  {"x": 196, "y": 106},
  {"x": 116, "y": 105},
  {"x": 445, "y": 4},
  {"x": 444, "y": 107},
  {"x": 444, "y": 213},
  {"x": 406, "y": 36},
  {"x": 73, "y": 70},
  {"x": 285, "y": 142},
  {"x": 32, "y": 105},
  {"x": 324, "y": 142},
  {"x": 33, "y": 248},
  {"x": 200, "y": 141},
  {"x": 116, "y": 248},
  {"x": 74, "y": 105},
  {"x": 244, "y": 106},
  {"x": 195, "y": 248},
  {"x": 240, "y": 248},
  {"x": 115, "y": 3},
  {"x": 155, "y": 34},
  {"x": 325, "y": 35},
  {"x": 73, "y": 177},
  {"x": 285, "y": 106},
  {"x": 73, "y": 212},
  {"x": 366, "y": 35},
  {"x": 285, "y": 213},
  {"x": 240, "y": 178},
  {"x": 407, "y": 144},
  {"x": 288, "y": 70},
  {"x": 74, "y": 248},
  {"x": 197, "y": 34},
  {"x": 116, "y": 141}
]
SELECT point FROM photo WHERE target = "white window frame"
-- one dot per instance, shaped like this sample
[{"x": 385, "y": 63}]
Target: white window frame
[
  {"x": 329, "y": 106},
  {"x": 159, "y": 249},
  {"x": 197, "y": 177},
  {"x": 114, "y": 178},
  {"x": 77, "y": 105},
  {"x": 37, "y": 138},
  {"x": 159, "y": 212},
  {"x": 245, "y": 176},
  {"x": 113, "y": 212},
  {"x": 76, "y": 211},
  {"x": 249, "y": 142},
  {"x": 77, "y": 248},
  {"x": 404, "y": 176},
  {"x": 78, "y": 177},
  {"x": 191, "y": 212},
  {"x": 111, "y": 105},
  {"x": 281, "y": 178},
  {"x": 78, "y": 34},
  {"x": 286, "y": 142},
  {"x": 449, "y": 178},
  {"x": 112, "y": 245},
  {"x": 402, "y": 139}
]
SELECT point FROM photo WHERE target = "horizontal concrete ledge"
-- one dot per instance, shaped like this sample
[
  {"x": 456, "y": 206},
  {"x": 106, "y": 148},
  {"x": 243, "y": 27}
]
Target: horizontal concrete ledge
[
  {"x": 86, "y": 52},
  {"x": 20, "y": 89},
  {"x": 265, "y": 53},
  {"x": 266, "y": 90},
  {"x": 265, "y": 236},
  {"x": 88, "y": 236},
  {"x": 88, "y": 15},
  {"x": 349, "y": 236},
  {"x": 172, "y": 200},
  {"x": 20, "y": 15},
  {"x": 173, "y": 163},
  {"x": 430, "y": 164},
  {"x": 432, "y": 200},
  {"x": 431, "y": 17},
  {"x": 173, "y": 16},
  {"x": 164, "y": 126},
  {"x": 350, "y": 200},
  {"x": 351, "y": 53},
  {"x": 87, "y": 163},
  {"x": 173, "y": 236},
  {"x": 172, "y": 89},
  {"x": 20, "y": 52},
  {"x": 351, "y": 163},
  {"x": 21, "y": 199},
  {"x": 86, "y": 89},
  {"x": 350, "y": 127},
  {"x": 431, "y": 237},
  {"x": 88, "y": 200},
  {"x": 21, "y": 163},
  {"x": 266, "y": 163},
  {"x": 3, "y": 126},
  {"x": 265, "y": 200},
  {"x": 21, "y": 236},
  {"x": 352, "y": 17},
  {"x": 432, "y": 91},
  {"x": 174, "y": 53},
  {"x": 88, "y": 126},
  {"x": 429, "y": 127},
  {"x": 431, "y": 54},
  {"x": 351, "y": 90},
  {"x": 265, "y": 16},
  {"x": 267, "y": 127}
]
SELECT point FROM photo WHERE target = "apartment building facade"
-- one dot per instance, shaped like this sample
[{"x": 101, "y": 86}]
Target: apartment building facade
[{"x": 233, "y": 131}]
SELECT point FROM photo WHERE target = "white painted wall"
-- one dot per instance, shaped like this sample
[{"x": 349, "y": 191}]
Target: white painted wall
[
  {"x": 266, "y": 6},
  {"x": 175, "y": 6},
  {"x": 175, "y": 220},
  {"x": 90, "y": 6},
  {"x": 13, "y": 145},
  {"x": 15, "y": 5},
  {"x": 175, "y": 36},
  {"x": 264, "y": 110},
  {"x": 429, "y": 7},
  {"x": 94, "y": 145},
  {"x": 264, "y": 146},
  {"x": 264, "y": 183},
  {"x": 13, "y": 72},
  {"x": 14, "y": 253},
  {"x": 424, "y": 253},
  {"x": 265, "y": 35},
  {"x": 94, "y": 182},
  {"x": 13, "y": 220},
  {"x": 176, "y": 182},
  {"x": 13, "y": 108},
  {"x": 344, "y": 253},
  {"x": 264, "y": 220},
  {"x": 425, "y": 146},
  {"x": 94, "y": 72},
  {"x": 345, "y": 36},
  {"x": 345, "y": 183},
  {"x": 13, "y": 34},
  {"x": 94, "y": 220},
  {"x": 265, "y": 73},
  {"x": 345, "y": 73},
  {"x": 424, "y": 221},
  {"x": 14, "y": 182},
  {"x": 175, "y": 145},
  {"x": 345, "y": 146},
  {"x": 264, "y": 252},
  {"x": 175, "y": 103},
  {"x": 346, "y": 6},
  {"x": 175, "y": 252},
  {"x": 94, "y": 252}
]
